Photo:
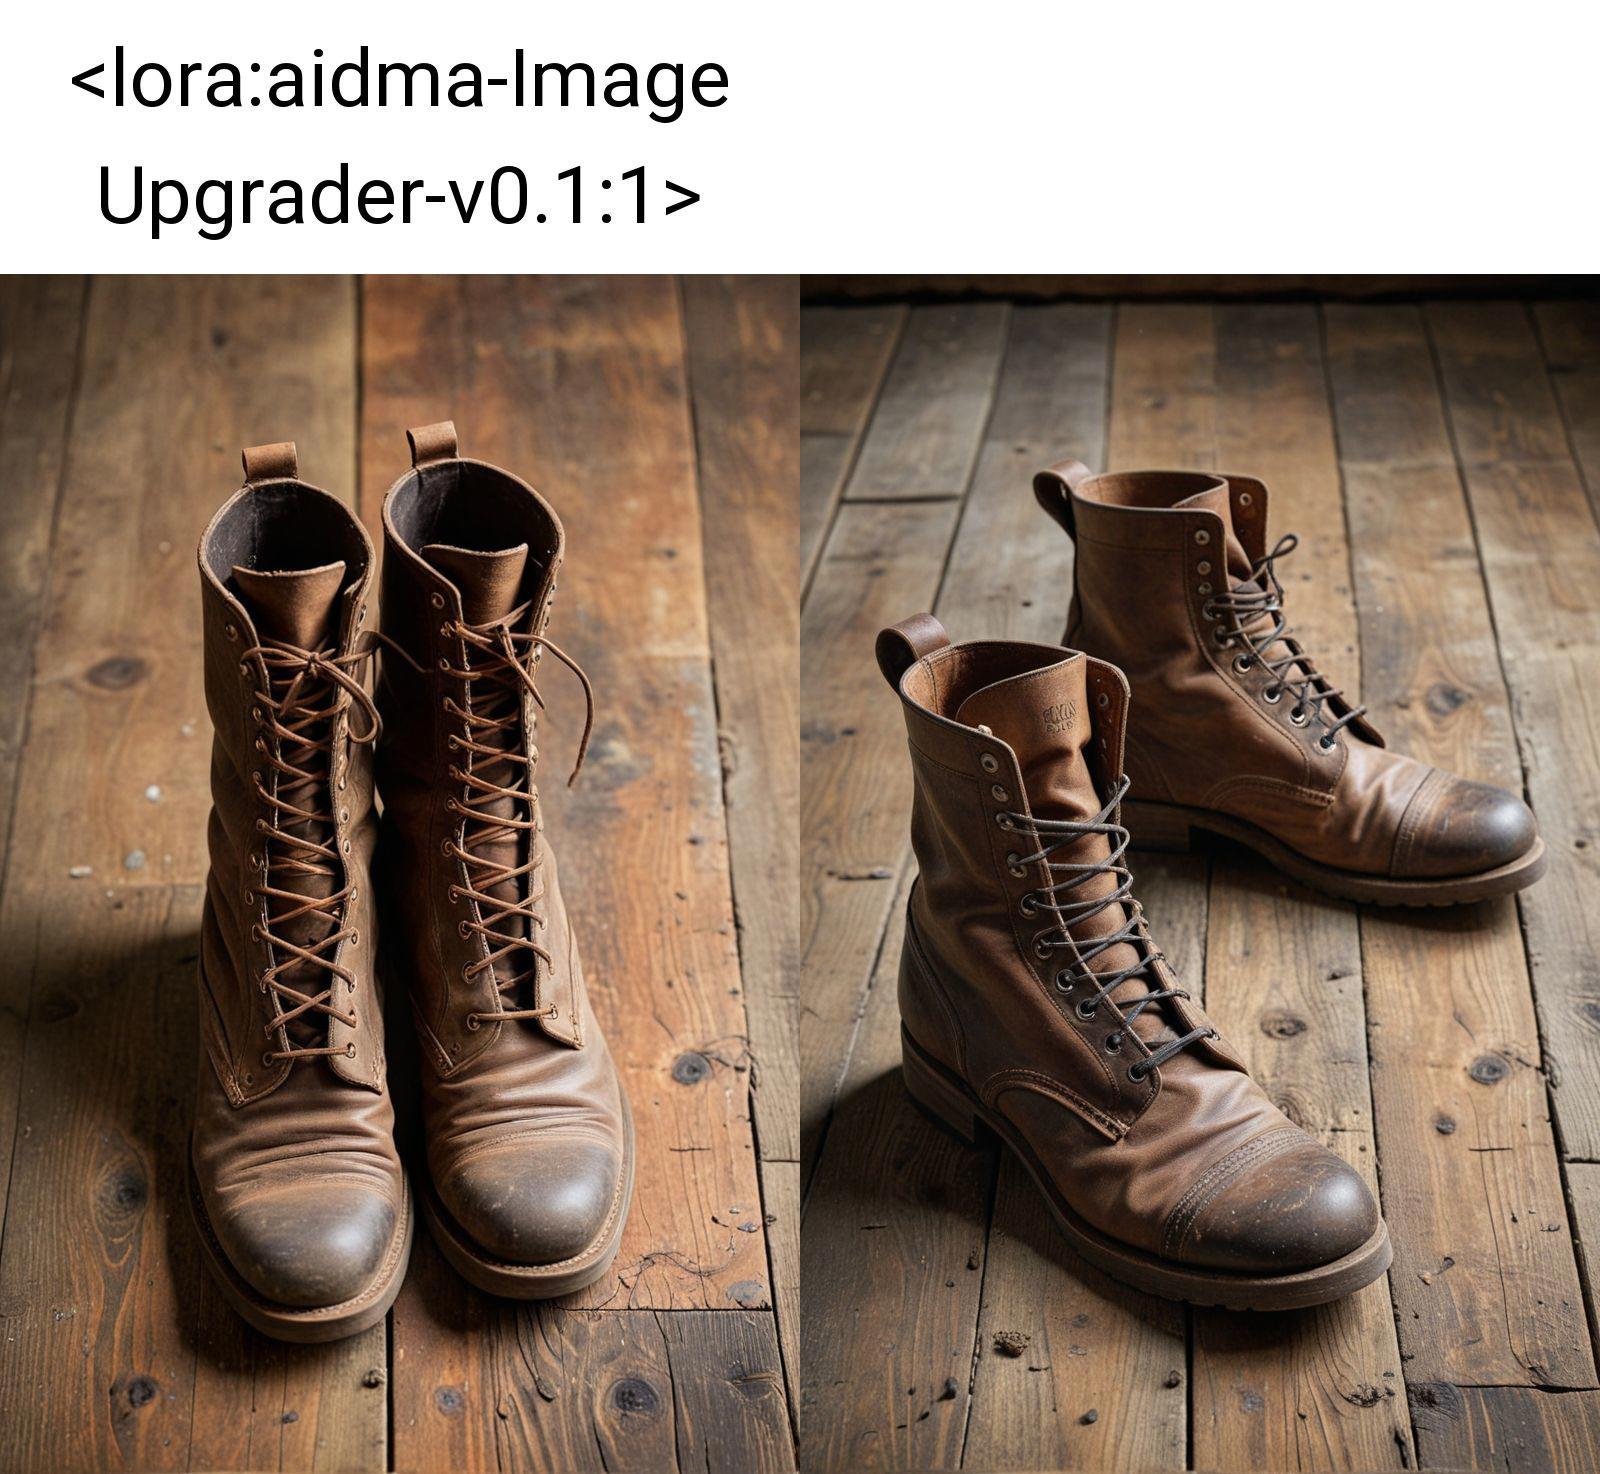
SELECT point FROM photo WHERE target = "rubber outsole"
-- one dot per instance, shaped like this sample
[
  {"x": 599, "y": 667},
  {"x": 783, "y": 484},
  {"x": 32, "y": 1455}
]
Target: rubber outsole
[
  {"x": 305, "y": 1326},
  {"x": 1172, "y": 827},
  {"x": 954, "y": 1107},
  {"x": 534, "y": 1281}
]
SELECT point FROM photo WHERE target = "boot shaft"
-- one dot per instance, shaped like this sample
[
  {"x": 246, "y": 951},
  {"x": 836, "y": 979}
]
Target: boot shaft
[{"x": 285, "y": 571}]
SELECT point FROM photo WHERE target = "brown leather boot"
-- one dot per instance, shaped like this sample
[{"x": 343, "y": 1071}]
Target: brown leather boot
[
  {"x": 1235, "y": 730},
  {"x": 1034, "y": 1004},
  {"x": 296, "y": 1187},
  {"x": 529, "y": 1137}
]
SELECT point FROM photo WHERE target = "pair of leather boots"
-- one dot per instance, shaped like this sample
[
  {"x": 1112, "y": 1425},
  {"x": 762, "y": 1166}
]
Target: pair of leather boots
[
  {"x": 316, "y": 910},
  {"x": 1035, "y": 1004}
]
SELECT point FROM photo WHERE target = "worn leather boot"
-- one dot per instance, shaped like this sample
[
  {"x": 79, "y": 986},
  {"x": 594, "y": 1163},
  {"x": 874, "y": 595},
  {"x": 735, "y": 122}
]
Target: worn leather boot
[
  {"x": 528, "y": 1134},
  {"x": 1235, "y": 731},
  {"x": 1034, "y": 1004},
  {"x": 297, "y": 1191}
]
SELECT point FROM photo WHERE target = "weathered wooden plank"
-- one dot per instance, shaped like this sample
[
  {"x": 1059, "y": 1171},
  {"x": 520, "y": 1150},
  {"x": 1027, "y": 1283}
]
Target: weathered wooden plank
[
  {"x": 743, "y": 344},
  {"x": 41, "y": 323},
  {"x": 929, "y": 418},
  {"x": 1569, "y": 333},
  {"x": 1508, "y": 1430},
  {"x": 882, "y": 563},
  {"x": 892, "y": 1259},
  {"x": 844, "y": 353},
  {"x": 542, "y": 1387},
  {"x": 1541, "y": 561},
  {"x": 177, "y": 374},
  {"x": 578, "y": 384},
  {"x": 1484, "y": 1282}
]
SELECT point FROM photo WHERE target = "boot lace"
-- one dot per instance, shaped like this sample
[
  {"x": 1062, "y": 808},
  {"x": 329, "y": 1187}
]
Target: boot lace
[
  {"x": 305, "y": 692},
  {"x": 493, "y": 684},
  {"x": 1261, "y": 596},
  {"x": 1054, "y": 898}
]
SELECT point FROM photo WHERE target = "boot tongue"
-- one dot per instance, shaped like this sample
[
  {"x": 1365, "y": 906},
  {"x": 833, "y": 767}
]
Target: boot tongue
[
  {"x": 296, "y": 606},
  {"x": 1043, "y": 716},
  {"x": 488, "y": 582},
  {"x": 1218, "y": 499}
]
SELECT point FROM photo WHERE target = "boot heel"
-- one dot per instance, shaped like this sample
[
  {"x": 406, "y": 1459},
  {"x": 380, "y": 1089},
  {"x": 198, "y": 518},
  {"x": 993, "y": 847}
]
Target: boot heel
[
  {"x": 928, "y": 1088},
  {"x": 1157, "y": 827}
]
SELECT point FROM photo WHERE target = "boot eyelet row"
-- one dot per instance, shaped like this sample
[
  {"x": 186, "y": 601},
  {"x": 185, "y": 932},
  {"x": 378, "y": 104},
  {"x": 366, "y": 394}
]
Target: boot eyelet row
[
  {"x": 1014, "y": 865},
  {"x": 991, "y": 764},
  {"x": 1272, "y": 695}
]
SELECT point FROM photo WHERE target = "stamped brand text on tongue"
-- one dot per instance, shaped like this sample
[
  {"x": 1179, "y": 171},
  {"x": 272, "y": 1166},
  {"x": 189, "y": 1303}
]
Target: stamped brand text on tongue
[{"x": 1059, "y": 715}]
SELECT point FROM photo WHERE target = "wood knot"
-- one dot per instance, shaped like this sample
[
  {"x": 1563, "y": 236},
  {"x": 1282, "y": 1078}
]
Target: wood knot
[
  {"x": 450, "y": 1401},
  {"x": 141, "y": 1390},
  {"x": 1444, "y": 1125},
  {"x": 636, "y": 1396},
  {"x": 118, "y": 673},
  {"x": 690, "y": 1068},
  {"x": 1488, "y": 1069},
  {"x": 1443, "y": 698},
  {"x": 1282, "y": 1025}
]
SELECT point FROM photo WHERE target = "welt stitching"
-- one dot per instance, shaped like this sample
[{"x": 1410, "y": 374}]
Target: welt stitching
[{"x": 1218, "y": 1176}]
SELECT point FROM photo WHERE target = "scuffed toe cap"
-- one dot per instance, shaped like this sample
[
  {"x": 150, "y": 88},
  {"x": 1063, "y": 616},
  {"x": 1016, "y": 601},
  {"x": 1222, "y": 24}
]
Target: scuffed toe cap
[
  {"x": 537, "y": 1200},
  {"x": 1278, "y": 1204},
  {"x": 309, "y": 1246},
  {"x": 1455, "y": 826}
]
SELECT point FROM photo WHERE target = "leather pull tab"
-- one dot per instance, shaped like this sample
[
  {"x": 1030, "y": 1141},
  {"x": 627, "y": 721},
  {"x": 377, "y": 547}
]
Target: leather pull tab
[
  {"x": 1054, "y": 486},
  {"x": 902, "y": 645},
  {"x": 275, "y": 462},
  {"x": 432, "y": 442}
]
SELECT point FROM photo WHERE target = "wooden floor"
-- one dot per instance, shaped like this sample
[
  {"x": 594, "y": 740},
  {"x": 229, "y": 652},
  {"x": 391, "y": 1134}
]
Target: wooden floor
[
  {"x": 660, "y": 420},
  {"x": 1442, "y": 466}
]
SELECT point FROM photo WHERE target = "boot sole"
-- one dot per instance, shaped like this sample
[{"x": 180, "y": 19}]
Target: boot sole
[
  {"x": 1172, "y": 827},
  {"x": 534, "y": 1281},
  {"x": 954, "y": 1107},
  {"x": 302, "y": 1325}
]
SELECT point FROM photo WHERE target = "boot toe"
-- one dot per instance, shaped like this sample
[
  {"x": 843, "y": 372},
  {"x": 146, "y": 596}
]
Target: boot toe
[
  {"x": 311, "y": 1246},
  {"x": 535, "y": 1201},
  {"x": 1273, "y": 1208},
  {"x": 1454, "y": 826}
]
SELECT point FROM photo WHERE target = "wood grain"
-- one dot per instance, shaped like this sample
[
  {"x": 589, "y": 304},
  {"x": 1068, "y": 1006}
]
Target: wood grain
[
  {"x": 178, "y": 374},
  {"x": 1509, "y": 1430},
  {"x": 1569, "y": 334},
  {"x": 844, "y": 355},
  {"x": 742, "y": 338},
  {"x": 41, "y": 325},
  {"x": 931, "y": 412},
  {"x": 1484, "y": 1281}
]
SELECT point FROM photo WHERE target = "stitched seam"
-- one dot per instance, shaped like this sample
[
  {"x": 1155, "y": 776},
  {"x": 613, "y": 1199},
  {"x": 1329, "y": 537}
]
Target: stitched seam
[
  {"x": 1411, "y": 821},
  {"x": 1316, "y": 798},
  {"x": 565, "y": 1128},
  {"x": 1261, "y": 1148},
  {"x": 996, "y": 1085}
]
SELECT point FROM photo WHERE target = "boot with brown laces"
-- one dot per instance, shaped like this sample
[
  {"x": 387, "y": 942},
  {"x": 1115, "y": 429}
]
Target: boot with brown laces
[
  {"x": 1034, "y": 1004},
  {"x": 528, "y": 1135},
  {"x": 296, "y": 1188},
  {"x": 1235, "y": 730}
]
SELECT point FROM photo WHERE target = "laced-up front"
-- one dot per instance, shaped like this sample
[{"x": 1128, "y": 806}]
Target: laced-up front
[
  {"x": 1258, "y": 598},
  {"x": 1055, "y": 899},
  {"x": 501, "y": 804},
  {"x": 306, "y": 691}
]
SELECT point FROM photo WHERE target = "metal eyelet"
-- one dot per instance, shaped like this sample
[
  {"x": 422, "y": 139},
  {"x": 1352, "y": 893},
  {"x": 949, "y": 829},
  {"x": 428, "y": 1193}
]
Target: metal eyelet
[
  {"x": 1014, "y": 865},
  {"x": 1222, "y": 637},
  {"x": 1326, "y": 743},
  {"x": 466, "y": 972},
  {"x": 990, "y": 763},
  {"x": 1102, "y": 701},
  {"x": 355, "y": 938},
  {"x": 249, "y": 897},
  {"x": 437, "y": 600},
  {"x": 255, "y": 931},
  {"x": 1204, "y": 588},
  {"x": 453, "y": 743},
  {"x": 1244, "y": 498},
  {"x": 1137, "y": 1071},
  {"x": 1209, "y": 617},
  {"x": 1064, "y": 981},
  {"x": 1004, "y": 821},
  {"x": 1272, "y": 695},
  {"x": 1041, "y": 949},
  {"x": 255, "y": 713},
  {"x": 447, "y": 846},
  {"x": 347, "y": 847},
  {"x": 231, "y": 631},
  {"x": 344, "y": 816},
  {"x": 1299, "y": 716},
  {"x": 1202, "y": 536},
  {"x": 444, "y": 664},
  {"x": 454, "y": 894},
  {"x": 1086, "y": 1009},
  {"x": 350, "y": 1051},
  {"x": 1202, "y": 568},
  {"x": 1114, "y": 1043},
  {"x": 473, "y": 1022},
  {"x": 269, "y": 1058},
  {"x": 464, "y": 928},
  {"x": 1028, "y": 906},
  {"x": 1000, "y": 795},
  {"x": 1242, "y": 663}
]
